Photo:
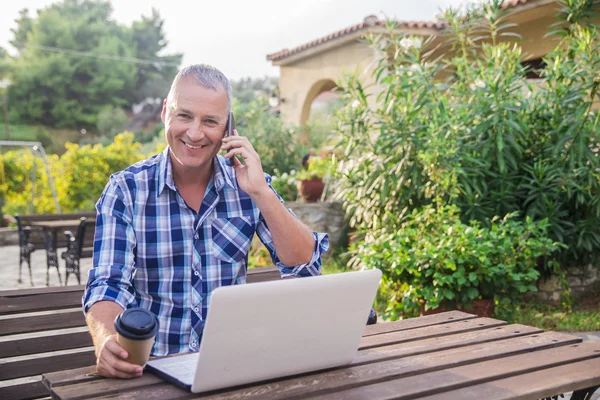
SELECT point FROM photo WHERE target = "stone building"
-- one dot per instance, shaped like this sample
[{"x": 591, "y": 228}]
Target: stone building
[{"x": 312, "y": 68}]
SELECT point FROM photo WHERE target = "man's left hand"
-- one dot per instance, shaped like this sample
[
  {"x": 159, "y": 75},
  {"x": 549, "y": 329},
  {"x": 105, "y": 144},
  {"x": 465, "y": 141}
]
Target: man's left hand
[{"x": 250, "y": 175}]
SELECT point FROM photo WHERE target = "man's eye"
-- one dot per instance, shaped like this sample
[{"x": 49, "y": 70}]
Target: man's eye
[
  {"x": 211, "y": 122},
  {"x": 185, "y": 116}
]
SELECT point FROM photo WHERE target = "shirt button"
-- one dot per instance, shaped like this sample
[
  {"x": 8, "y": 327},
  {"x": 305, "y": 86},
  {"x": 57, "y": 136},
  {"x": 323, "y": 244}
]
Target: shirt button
[
  {"x": 196, "y": 236},
  {"x": 196, "y": 273},
  {"x": 195, "y": 309},
  {"x": 193, "y": 344}
]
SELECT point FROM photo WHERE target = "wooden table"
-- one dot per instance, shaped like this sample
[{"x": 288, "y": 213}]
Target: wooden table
[
  {"x": 453, "y": 355},
  {"x": 50, "y": 229}
]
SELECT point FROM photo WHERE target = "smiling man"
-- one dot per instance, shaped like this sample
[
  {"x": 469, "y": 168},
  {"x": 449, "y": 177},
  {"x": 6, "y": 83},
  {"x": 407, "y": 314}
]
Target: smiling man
[{"x": 173, "y": 228}]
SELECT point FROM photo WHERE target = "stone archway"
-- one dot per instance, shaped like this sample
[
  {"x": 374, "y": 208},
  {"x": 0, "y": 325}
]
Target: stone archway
[
  {"x": 310, "y": 69},
  {"x": 319, "y": 87}
]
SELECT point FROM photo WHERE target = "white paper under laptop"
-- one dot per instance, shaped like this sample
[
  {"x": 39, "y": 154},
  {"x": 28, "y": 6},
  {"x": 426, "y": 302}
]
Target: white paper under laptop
[{"x": 273, "y": 329}]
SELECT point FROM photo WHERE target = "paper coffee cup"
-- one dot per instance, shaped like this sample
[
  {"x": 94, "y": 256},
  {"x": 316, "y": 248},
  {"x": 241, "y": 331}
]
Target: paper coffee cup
[{"x": 136, "y": 329}]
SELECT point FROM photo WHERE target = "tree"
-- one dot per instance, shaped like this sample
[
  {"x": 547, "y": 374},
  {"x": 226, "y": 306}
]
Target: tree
[
  {"x": 152, "y": 79},
  {"x": 248, "y": 89},
  {"x": 110, "y": 120},
  {"x": 4, "y": 60},
  {"x": 24, "y": 26},
  {"x": 74, "y": 60}
]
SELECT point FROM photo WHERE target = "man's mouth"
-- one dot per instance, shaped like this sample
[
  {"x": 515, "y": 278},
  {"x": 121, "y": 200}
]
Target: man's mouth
[{"x": 189, "y": 146}]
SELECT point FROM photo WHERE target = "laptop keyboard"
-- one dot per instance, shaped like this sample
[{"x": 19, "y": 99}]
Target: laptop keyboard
[
  {"x": 184, "y": 370},
  {"x": 182, "y": 367}
]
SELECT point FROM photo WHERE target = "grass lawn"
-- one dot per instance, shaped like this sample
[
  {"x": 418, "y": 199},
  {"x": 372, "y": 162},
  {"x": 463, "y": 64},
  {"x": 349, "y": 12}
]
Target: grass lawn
[
  {"x": 20, "y": 132},
  {"x": 583, "y": 316},
  {"x": 53, "y": 140}
]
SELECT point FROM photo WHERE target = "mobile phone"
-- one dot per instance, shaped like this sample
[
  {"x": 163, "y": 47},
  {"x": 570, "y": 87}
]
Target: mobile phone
[
  {"x": 230, "y": 124},
  {"x": 229, "y": 132}
]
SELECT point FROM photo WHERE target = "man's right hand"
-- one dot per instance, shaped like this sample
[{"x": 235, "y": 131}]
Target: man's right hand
[{"x": 110, "y": 361}]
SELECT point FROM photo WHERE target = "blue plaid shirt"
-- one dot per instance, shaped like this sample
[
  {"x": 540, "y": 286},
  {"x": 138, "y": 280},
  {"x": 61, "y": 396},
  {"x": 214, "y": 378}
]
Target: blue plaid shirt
[{"x": 153, "y": 251}]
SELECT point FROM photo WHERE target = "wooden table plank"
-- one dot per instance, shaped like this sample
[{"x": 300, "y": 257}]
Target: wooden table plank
[
  {"x": 265, "y": 276},
  {"x": 534, "y": 385},
  {"x": 446, "y": 342},
  {"x": 263, "y": 270},
  {"x": 103, "y": 387},
  {"x": 42, "y": 302},
  {"x": 412, "y": 323},
  {"x": 71, "y": 376},
  {"x": 24, "y": 391},
  {"x": 319, "y": 384},
  {"x": 37, "y": 366},
  {"x": 440, "y": 382},
  {"x": 43, "y": 344},
  {"x": 42, "y": 290},
  {"x": 37, "y": 323},
  {"x": 429, "y": 332},
  {"x": 163, "y": 391}
]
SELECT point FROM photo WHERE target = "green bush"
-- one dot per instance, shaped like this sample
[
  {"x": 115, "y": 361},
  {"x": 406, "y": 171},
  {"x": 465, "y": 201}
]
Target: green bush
[
  {"x": 469, "y": 129},
  {"x": 83, "y": 171},
  {"x": 27, "y": 188},
  {"x": 285, "y": 185},
  {"x": 79, "y": 176},
  {"x": 319, "y": 167},
  {"x": 149, "y": 136},
  {"x": 435, "y": 259},
  {"x": 279, "y": 146}
]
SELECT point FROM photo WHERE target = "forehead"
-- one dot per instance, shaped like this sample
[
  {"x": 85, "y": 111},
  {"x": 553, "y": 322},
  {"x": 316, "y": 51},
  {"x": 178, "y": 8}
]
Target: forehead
[{"x": 192, "y": 96}]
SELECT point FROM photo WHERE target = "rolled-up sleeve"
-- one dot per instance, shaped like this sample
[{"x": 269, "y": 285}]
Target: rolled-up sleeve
[
  {"x": 114, "y": 246},
  {"x": 311, "y": 268}
]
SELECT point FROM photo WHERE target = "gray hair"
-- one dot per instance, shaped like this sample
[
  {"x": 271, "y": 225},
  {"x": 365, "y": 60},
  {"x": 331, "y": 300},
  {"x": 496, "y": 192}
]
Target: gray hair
[{"x": 205, "y": 75}]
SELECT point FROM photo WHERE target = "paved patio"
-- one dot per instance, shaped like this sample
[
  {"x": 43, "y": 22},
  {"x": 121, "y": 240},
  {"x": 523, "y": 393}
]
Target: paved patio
[{"x": 9, "y": 269}]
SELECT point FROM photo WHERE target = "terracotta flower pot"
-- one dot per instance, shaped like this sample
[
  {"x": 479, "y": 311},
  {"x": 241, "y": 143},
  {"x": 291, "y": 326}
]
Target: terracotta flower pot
[
  {"x": 480, "y": 307},
  {"x": 311, "y": 190}
]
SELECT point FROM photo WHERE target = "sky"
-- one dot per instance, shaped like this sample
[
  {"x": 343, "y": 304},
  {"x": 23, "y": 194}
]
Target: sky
[{"x": 235, "y": 36}]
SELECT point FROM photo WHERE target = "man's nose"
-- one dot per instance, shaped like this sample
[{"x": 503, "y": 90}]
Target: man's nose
[{"x": 195, "y": 132}]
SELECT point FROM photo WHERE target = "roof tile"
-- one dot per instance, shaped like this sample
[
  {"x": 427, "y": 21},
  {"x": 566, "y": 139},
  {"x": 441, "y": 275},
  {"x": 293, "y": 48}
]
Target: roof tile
[{"x": 372, "y": 20}]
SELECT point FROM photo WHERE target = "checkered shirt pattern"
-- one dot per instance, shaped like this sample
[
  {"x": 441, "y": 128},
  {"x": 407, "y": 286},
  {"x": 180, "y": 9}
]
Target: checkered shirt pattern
[{"x": 153, "y": 251}]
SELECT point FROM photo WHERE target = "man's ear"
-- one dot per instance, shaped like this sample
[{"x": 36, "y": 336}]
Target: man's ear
[{"x": 163, "y": 113}]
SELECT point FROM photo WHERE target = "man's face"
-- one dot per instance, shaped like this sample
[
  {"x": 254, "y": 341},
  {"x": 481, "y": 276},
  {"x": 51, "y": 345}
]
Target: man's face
[{"x": 195, "y": 120}]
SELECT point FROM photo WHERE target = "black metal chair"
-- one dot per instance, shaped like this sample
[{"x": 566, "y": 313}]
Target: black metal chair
[
  {"x": 25, "y": 247},
  {"x": 372, "y": 320},
  {"x": 73, "y": 253}
]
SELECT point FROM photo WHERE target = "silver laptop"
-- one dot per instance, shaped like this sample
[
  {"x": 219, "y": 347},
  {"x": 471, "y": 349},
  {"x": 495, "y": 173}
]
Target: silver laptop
[{"x": 273, "y": 329}]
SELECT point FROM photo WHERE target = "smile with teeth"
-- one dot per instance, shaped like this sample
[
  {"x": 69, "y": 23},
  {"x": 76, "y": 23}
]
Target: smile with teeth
[{"x": 192, "y": 147}]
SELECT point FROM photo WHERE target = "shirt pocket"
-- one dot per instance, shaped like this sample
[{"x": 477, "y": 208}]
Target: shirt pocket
[{"x": 231, "y": 238}]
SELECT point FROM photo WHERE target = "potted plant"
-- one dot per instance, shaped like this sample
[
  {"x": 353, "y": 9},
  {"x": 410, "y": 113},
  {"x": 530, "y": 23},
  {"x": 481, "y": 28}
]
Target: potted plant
[
  {"x": 311, "y": 179},
  {"x": 436, "y": 262}
]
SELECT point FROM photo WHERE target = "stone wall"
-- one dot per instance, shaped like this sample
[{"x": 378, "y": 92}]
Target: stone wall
[
  {"x": 322, "y": 217},
  {"x": 582, "y": 280}
]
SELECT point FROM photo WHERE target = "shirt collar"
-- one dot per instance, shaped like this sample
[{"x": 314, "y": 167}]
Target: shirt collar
[
  {"x": 165, "y": 176},
  {"x": 221, "y": 173}
]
